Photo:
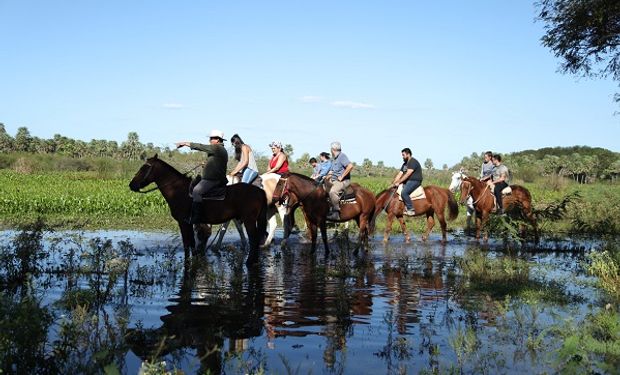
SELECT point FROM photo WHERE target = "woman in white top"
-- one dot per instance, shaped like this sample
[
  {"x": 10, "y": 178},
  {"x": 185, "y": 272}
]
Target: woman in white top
[{"x": 247, "y": 163}]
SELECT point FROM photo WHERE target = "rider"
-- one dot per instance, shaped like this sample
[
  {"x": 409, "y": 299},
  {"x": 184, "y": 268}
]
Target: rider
[
  {"x": 247, "y": 163},
  {"x": 410, "y": 174},
  {"x": 279, "y": 161},
  {"x": 499, "y": 181},
  {"x": 213, "y": 173},
  {"x": 340, "y": 177},
  {"x": 324, "y": 167},
  {"x": 486, "y": 171},
  {"x": 315, "y": 167}
]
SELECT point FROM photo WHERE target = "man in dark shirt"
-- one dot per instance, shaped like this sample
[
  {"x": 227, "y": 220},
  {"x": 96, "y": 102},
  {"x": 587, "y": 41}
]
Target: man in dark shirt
[
  {"x": 410, "y": 174},
  {"x": 213, "y": 173}
]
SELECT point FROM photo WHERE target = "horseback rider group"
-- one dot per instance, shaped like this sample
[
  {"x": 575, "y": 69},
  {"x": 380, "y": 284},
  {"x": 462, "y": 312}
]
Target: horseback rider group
[{"x": 337, "y": 171}]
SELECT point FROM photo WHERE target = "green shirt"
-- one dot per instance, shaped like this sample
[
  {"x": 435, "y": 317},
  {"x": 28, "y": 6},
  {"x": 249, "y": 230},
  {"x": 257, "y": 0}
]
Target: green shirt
[{"x": 217, "y": 161}]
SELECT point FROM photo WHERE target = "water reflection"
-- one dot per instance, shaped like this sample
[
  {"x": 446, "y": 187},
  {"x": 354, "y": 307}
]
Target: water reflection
[{"x": 397, "y": 309}]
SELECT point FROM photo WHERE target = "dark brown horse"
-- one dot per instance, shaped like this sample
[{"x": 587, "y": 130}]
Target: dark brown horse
[
  {"x": 304, "y": 191},
  {"x": 518, "y": 203},
  {"x": 435, "y": 203},
  {"x": 243, "y": 202}
]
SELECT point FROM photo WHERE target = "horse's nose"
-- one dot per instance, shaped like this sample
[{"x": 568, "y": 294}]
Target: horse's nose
[{"x": 133, "y": 186}]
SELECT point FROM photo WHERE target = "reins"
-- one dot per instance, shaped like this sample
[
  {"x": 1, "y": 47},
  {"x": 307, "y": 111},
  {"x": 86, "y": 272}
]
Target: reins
[
  {"x": 387, "y": 204},
  {"x": 158, "y": 187},
  {"x": 314, "y": 188}
]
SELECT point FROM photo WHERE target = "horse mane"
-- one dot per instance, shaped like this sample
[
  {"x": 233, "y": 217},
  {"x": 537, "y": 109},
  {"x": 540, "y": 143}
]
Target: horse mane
[
  {"x": 168, "y": 166},
  {"x": 302, "y": 176}
]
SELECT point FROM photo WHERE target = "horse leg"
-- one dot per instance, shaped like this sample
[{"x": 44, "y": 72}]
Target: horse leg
[
  {"x": 442, "y": 223},
  {"x": 272, "y": 223},
  {"x": 388, "y": 226},
  {"x": 203, "y": 232},
  {"x": 483, "y": 224},
  {"x": 323, "y": 227},
  {"x": 187, "y": 236},
  {"x": 403, "y": 228},
  {"x": 313, "y": 234},
  {"x": 478, "y": 226},
  {"x": 253, "y": 239},
  {"x": 430, "y": 223}
]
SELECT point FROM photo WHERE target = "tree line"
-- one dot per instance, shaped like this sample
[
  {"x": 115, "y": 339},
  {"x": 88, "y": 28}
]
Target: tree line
[{"x": 581, "y": 163}]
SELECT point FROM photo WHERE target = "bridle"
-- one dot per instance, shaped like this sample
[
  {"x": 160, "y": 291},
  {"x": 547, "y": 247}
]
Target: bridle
[{"x": 471, "y": 187}]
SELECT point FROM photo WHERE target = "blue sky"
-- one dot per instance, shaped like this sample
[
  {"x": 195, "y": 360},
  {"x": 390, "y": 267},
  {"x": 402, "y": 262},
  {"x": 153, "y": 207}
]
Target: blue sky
[{"x": 445, "y": 78}]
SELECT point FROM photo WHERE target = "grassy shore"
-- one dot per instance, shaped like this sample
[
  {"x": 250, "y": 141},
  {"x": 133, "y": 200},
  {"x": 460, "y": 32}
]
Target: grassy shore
[{"x": 87, "y": 199}]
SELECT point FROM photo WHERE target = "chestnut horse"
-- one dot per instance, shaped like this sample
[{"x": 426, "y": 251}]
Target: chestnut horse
[
  {"x": 243, "y": 202},
  {"x": 304, "y": 191},
  {"x": 518, "y": 203},
  {"x": 435, "y": 203}
]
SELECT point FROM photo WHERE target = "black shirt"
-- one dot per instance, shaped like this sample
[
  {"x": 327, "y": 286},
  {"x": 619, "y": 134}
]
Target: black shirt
[{"x": 412, "y": 163}]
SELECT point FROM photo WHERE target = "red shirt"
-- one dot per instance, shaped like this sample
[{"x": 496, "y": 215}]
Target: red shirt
[{"x": 283, "y": 168}]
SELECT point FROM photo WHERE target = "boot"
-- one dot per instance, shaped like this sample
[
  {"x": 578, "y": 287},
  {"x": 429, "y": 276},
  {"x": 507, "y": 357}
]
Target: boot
[
  {"x": 333, "y": 215},
  {"x": 196, "y": 217}
]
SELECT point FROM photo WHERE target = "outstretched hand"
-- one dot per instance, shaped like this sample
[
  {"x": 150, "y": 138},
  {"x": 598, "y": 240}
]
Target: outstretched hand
[{"x": 181, "y": 144}]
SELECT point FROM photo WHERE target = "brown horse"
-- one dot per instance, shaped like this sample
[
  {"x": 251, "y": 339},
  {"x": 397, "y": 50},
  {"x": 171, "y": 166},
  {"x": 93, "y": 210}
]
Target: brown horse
[
  {"x": 304, "y": 191},
  {"x": 518, "y": 203},
  {"x": 435, "y": 203},
  {"x": 243, "y": 202}
]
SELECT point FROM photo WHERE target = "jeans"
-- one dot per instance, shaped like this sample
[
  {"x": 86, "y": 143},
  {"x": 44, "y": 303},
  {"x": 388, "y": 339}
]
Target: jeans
[
  {"x": 334, "y": 192},
  {"x": 409, "y": 187},
  {"x": 497, "y": 190},
  {"x": 248, "y": 175}
]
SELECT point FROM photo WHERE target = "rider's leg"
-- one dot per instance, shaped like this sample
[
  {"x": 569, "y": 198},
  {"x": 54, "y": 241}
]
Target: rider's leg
[
  {"x": 409, "y": 187},
  {"x": 497, "y": 190},
  {"x": 248, "y": 175}
]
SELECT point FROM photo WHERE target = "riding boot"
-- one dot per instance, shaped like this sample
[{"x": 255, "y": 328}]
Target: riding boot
[
  {"x": 333, "y": 214},
  {"x": 196, "y": 217}
]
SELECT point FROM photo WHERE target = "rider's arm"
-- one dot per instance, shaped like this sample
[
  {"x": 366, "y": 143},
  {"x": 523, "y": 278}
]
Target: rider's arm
[
  {"x": 347, "y": 170},
  {"x": 325, "y": 168},
  {"x": 502, "y": 178},
  {"x": 397, "y": 178},
  {"x": 404, "y": 176},
  {"x": 245, "y": 159}
]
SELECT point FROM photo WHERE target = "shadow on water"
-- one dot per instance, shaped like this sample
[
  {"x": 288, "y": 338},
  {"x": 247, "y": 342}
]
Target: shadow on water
[{"x": 399, "y": 308}]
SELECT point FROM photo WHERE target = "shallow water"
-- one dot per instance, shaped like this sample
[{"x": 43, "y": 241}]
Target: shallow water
[{"x": 395, "y": 309}]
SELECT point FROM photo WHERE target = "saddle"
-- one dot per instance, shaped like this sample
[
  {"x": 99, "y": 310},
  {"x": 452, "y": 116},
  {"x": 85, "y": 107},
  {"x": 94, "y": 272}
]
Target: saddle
[
  {"x": 415, "y": 195},
  {"x": 347, "y": 195},
  {"x": 505, "y": 191},
  {"x": 217, "y": 193}
]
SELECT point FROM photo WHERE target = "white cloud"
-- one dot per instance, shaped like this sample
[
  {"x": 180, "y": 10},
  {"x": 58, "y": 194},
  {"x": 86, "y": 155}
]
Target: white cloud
[
  {"x": 310, "y": 99},
  {"x": 173, "y": 106},
  {"x": 352, "y": 105}
]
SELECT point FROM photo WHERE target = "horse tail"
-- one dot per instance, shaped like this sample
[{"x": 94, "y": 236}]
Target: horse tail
[
  {"x": 380, "y": 203},
  {"x": 440, "y": 196},
  {"x": 261, "y": 224},
  {"x": 453, "y": 206}
]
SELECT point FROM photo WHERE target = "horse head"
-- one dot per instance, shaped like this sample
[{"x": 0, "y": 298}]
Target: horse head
[
  {"x": 455, "y": 183},
  {"x": 145, "y": 175},
  {"x": 467, "y": 186}
]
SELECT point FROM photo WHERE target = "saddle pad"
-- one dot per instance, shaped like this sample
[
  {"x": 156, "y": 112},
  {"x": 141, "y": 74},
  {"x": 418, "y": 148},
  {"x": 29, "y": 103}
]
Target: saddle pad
[
  {"x": 215, "y": 194},
  {"x": 507, "y": 190},
  {"x": 415, "y": 195}
]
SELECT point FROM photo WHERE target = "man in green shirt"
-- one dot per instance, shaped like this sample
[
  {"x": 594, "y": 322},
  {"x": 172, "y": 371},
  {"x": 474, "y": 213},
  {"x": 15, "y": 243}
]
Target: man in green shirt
[{"x": 213, "y": 173}]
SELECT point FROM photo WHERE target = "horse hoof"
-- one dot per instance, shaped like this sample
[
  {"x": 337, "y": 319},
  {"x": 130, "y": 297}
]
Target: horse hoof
[{"x": 385, "y": 240}]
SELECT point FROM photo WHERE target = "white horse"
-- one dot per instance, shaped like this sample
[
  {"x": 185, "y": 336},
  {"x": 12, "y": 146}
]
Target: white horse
[
  {"x": 270, "y": 181},
  {"x": 455, "y": 184}
]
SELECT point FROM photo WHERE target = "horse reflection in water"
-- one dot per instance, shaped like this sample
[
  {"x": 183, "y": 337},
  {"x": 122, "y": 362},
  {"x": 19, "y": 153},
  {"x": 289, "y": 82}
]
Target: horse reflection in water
[
  {"x": 295, "y": 296},
  {"x": 204, "y": 324}
]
